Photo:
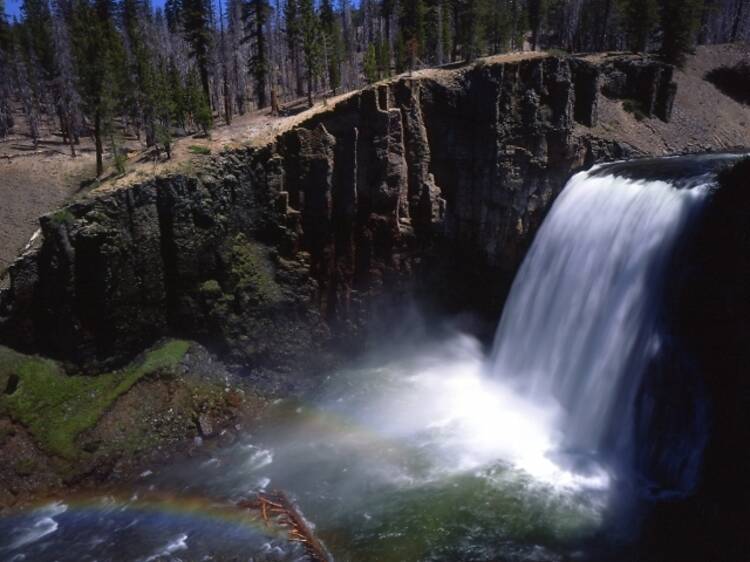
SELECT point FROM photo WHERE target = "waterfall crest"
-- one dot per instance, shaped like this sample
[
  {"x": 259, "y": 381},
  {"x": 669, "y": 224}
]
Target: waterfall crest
[{"x": 583, "y": 318}]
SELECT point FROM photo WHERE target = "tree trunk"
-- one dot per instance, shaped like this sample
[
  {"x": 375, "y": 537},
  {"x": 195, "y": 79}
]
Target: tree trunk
[
  {"x": 203, "y": 70},
  {"x": 535, "y": 34},
  {"x": 737, "y": 21},
  {"x": 98, "y": 142},
  {"x": 275, "y": 109},
  {"x": 69, "y": 135},
  {"x": 309, "y": 89},
  {"x": 298, "y": 72}
]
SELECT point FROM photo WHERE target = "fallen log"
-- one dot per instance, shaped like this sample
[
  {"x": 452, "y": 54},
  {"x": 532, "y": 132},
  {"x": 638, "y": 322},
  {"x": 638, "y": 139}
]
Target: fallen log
[{"x": 285, "y": 514}]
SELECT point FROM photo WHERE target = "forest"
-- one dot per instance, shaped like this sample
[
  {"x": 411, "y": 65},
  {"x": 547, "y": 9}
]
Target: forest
[{"x": 109, "y": 68}]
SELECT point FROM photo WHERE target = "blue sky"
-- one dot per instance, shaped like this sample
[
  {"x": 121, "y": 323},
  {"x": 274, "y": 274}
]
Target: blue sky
[{"x": 12, "y": 7}]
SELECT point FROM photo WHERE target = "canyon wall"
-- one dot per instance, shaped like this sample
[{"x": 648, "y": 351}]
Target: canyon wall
[{"x": 430, "y": 186}]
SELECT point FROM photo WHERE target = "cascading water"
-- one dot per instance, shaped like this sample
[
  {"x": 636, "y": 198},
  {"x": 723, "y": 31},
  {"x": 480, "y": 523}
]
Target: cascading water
[
  {"x": 583, "y": 320},
  {"x": 433, "y": 451}
]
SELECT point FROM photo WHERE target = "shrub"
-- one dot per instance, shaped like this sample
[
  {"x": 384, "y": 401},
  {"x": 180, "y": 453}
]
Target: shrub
[{"x": 634, "y": 107}]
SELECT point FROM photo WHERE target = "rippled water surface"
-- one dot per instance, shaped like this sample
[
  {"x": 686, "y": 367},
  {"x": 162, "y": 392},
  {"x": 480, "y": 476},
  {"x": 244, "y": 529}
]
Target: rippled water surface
[{"x": 420, "y": 458}]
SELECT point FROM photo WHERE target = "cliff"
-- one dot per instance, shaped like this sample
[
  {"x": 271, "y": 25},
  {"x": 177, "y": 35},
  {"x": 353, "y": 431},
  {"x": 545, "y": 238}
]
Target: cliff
[{"x": 430, "y": 186}]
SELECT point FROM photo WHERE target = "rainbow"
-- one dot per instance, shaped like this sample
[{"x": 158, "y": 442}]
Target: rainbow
[{"x": 194, "y": 508}]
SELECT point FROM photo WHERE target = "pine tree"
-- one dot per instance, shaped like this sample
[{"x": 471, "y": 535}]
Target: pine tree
[
  {"x": 680, "y": 22},
  {"x": 737, "y": 20},
  {"x": 6, "y": 54},
  {"x": 350, "y": 69},
  {"x": 538, "y": 10},
  {"x": 411, "y": 24},
  {"x": 140, "y": 83},
  {"x": 370, "y": 65},
  {"x": 197, "y": 102},
  {"x": 400, "y": 54},
  {"x": 387, "y": 8},
  {"x": 39, "y": 69},
  {"x": 604, "y": 24},
  {"x": 293, "y": 34},
  {"x": 5, "y": 37},
  {"x": 37, "y": 21},
  {"x": 446, "y": 33},
  {"x": 499, "y": 26},
  {"x": 68, "y": 102},
  {"x": 331, "y": 29},
  {"x": 195, "y": 16},
  {"x": 235, "y": 34},
  {"x": 383, "y": 55},
  {"x": 255, "y": 16},
  {"x": 225, "y": 70},
  {"x": 641, "y": 19},
  {"x": 519, "y": 23},
  {"x": 433, "y": 29},
  {"x": 173, "y": 13},
  {"x": 99, "y": 64},
  {"x": 167, "y": 101},
  {"x": 471, "y": 22},
  {"x": 176, "y": 92},
  {"x": 311, "y": 44}
]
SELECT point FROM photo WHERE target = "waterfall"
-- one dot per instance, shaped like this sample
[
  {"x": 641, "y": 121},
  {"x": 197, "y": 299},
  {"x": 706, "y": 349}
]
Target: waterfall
[{"x": 584, "y": 320}]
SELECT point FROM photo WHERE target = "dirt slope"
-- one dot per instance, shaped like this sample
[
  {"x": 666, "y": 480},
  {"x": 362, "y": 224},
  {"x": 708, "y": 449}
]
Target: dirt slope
[{"x": 703, "y": 119}]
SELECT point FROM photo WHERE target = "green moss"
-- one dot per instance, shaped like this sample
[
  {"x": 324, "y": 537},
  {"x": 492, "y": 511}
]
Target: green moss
[
  {"x": 253, "y": 272},
  {"x": 62, "y": 216},
  {"x": 210, "y": 288},
  {"x": 55, "y": 407},
  {"x": 198, "y": 149}
]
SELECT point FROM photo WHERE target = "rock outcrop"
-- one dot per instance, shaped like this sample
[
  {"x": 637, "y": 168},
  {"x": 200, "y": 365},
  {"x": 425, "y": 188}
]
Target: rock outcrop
[
  {"x": 647, "y": 83},
  {"x": 432, "y": 185}
]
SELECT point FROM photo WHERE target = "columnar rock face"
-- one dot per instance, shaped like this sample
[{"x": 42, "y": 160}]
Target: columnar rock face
[
  {"x": 645, "y": 82},
  {"x": 271, "y": 254}
]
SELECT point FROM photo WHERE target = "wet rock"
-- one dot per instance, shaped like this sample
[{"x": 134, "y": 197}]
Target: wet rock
[{"x": 206, "y": 425}]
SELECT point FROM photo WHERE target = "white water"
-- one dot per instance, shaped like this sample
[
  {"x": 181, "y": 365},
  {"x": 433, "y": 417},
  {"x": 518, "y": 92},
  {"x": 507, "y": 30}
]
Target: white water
[
  {"x": 581, "y": 323},
  {"x": 44, "y": 524}
]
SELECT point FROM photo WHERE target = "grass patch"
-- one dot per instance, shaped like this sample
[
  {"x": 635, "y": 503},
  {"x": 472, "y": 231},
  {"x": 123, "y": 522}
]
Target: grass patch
[
  {"x": 198, "y": 149},
  {"x": 55, "y": 407}
]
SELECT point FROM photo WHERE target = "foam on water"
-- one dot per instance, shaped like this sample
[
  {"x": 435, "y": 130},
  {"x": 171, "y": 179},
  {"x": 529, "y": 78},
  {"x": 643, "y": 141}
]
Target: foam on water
[
  {"x": 175, "y": 545},
  {"x": 43, "y": 524}
]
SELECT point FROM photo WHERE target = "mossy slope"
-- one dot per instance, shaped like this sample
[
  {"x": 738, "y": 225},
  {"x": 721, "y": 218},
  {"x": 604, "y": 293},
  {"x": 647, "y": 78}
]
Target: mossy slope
[{"x": 56, "y": 408}]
